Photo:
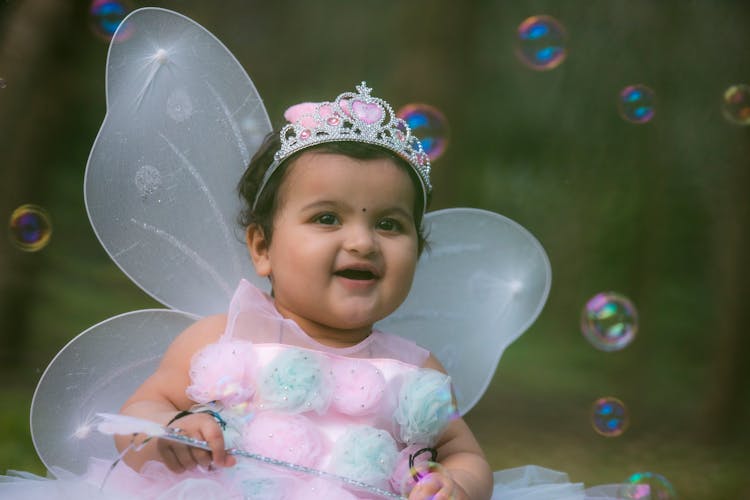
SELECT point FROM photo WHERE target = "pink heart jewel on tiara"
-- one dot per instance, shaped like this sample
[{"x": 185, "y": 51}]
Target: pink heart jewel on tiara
[{"x": 368, "y": 112}]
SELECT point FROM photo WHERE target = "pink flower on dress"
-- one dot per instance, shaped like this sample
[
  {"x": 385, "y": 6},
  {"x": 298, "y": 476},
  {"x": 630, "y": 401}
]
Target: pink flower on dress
[
  {"x": 358, "y": 386},
  {"x": 223, "y": 372},
  {"x": 284, "y": 436}
]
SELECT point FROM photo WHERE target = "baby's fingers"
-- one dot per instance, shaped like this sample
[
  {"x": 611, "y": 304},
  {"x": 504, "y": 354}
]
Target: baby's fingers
[
  {"x": 433, "y": 486},
  {"x": 201, "y": 457},
  {"x": 215, "y": 438},
  {"x": 176, "y": 457}
]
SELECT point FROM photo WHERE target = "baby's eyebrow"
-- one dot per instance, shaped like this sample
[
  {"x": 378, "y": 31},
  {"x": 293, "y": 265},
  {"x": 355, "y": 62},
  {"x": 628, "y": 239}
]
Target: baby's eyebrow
[
  {"x": 399, "y": 211},
  {"x": 328, "y": 204},
  {"x": 321, "y": 204}
]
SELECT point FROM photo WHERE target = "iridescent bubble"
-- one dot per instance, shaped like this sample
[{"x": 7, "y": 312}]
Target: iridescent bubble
[
  {"x": 147, "y": 181},
  {"x": 105, "y": 17},
  {"x": 30, "y": 228},
  {"x": 429, "y": 125},
  {"x": 636, "y": 104},
  {"x": 736, "y": 105},
  {"x": 541, "y": 43},
  {"x": 421, "y": 465},
  {"x": 609, "y": 321},
  {"x": 609, "y": 416},
  {"x": 647, "y": 486}
]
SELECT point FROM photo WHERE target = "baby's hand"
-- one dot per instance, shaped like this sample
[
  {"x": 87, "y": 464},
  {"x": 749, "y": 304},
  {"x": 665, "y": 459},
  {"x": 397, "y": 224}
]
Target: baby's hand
[
  {"x": 437, "y": 485},
  {"x": 179, "y": 457}
]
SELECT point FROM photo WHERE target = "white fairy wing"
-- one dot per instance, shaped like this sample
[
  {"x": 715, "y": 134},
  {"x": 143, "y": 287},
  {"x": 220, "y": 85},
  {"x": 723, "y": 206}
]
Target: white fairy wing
[
  {"x": 480, "y": 284},
  {"x": 96, "y": 372},
  {"x": 183, "y": 119}
]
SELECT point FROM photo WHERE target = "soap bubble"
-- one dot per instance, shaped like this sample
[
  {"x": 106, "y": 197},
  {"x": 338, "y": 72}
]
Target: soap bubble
[
  {"x": 609, "y": 416},
  {"x": 420, "y": 471},
  {"x": 3, "y": 83},
  {"x": 106, "y": 15},
  {"x": 609, "y": 321},
  {"x": 636, "y": 104},
  {"x": 736, "y": 104},
  {"x": 647, "y": 486},
  {"x": 429, "y": 125},
  {"x": 30, "y": 228},
  {"x": 541, "y": 43}
]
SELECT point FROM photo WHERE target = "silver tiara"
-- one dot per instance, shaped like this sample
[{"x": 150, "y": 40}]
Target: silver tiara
[{"x": 351, "y": 116}]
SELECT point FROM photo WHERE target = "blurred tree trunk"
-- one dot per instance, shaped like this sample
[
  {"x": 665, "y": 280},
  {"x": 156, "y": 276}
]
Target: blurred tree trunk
[
  {"x": 441, "y": 56},
  {"x": 32, "y": 31},
  {"x": 725, "y": 406}
]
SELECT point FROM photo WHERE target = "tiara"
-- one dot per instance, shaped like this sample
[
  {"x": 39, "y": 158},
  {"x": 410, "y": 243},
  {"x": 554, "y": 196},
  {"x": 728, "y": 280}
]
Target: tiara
[{"x": 351, "y": 116}]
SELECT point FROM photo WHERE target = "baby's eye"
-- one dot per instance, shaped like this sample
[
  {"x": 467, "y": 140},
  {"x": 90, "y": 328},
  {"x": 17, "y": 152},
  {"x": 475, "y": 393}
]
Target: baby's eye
[
  {"x": 389, "y": 225},
  {"x": 326, "y": 219}
]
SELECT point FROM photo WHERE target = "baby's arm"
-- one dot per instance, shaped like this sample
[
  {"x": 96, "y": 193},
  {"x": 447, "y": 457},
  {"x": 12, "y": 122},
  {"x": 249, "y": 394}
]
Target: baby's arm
[
  {"x": 162, "y": 396},
  {"x": 468, "y": 474}
]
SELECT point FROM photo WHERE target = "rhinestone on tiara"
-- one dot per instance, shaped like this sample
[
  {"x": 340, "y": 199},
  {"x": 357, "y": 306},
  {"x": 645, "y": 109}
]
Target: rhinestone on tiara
[{"x": 351, "y": 116}]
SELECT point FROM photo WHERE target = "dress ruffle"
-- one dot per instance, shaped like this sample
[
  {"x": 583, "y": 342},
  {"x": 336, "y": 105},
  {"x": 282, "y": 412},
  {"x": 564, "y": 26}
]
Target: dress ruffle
[
  {"x": 261, "y": 483},
  {"x": 532, "y": 482}
]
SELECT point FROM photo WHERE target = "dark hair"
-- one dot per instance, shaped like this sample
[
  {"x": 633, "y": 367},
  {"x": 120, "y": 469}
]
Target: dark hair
[{"x": 267, "y": 203}]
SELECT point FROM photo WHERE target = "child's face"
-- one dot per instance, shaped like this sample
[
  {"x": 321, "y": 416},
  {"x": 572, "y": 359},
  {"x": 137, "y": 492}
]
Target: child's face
[{"x": 344, "y": 245}]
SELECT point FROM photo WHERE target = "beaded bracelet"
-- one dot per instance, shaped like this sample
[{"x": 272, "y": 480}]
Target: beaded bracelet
[
  {"x": 184, "y": 413},
  {"x": 222, "y": 423},
  {"x": 415, "y": 474}
]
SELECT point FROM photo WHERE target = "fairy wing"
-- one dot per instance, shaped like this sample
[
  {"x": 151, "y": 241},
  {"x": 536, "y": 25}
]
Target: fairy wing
[
  {"x": 480, "y": 284},
  {"x": 183, "y": 119},
  {"x": 96, "y": 372}
]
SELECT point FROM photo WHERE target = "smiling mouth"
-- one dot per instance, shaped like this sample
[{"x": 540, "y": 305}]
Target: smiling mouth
[{"x": 356, "y": 274}]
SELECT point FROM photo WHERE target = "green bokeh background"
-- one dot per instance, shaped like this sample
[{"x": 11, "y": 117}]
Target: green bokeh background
[{"x": 658, "y": 212}]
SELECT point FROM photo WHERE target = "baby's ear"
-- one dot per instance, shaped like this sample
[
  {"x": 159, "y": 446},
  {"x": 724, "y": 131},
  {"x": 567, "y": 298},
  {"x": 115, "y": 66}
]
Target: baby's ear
[{"x": 257, "y": 245}]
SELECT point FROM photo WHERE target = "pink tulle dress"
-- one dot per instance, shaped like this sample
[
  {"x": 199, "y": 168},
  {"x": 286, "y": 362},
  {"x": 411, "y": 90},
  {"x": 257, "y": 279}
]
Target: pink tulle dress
[
  {"x": 358, "y": 413},
  {"x": 346, "y": 417}
]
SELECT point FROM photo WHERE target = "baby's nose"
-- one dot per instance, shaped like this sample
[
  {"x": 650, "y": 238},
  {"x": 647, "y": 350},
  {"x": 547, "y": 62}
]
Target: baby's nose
[{"x": 360, "y": 239}]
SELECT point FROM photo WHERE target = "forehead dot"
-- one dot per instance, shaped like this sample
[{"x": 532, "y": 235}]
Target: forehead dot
[{"x": 364, "y": 210}]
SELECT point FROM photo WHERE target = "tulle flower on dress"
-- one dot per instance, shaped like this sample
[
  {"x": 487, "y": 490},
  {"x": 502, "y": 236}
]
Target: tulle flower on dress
[
  {"x": 358, "y": 386},
  {"x": 425, "y": 406},
  {"x": 223, "y": 372},
  {"x": 285, "y": 436},
  {"x": 366, "y": 454},
  {"x": 295, "y": 381}
]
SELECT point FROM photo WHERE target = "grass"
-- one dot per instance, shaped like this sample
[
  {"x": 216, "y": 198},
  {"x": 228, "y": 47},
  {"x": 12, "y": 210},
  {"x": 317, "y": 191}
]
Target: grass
[
  {"x": 16, "y": 448},
  {"x": 519, "y": 430}
]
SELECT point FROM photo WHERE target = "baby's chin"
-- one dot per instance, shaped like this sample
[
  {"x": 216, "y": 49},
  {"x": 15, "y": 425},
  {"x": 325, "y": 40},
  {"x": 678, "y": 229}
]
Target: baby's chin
[
  {"x": 358, "y": 313},
  {"x": 357, "y": 323},
  {"x": 353, "y": 325}
]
